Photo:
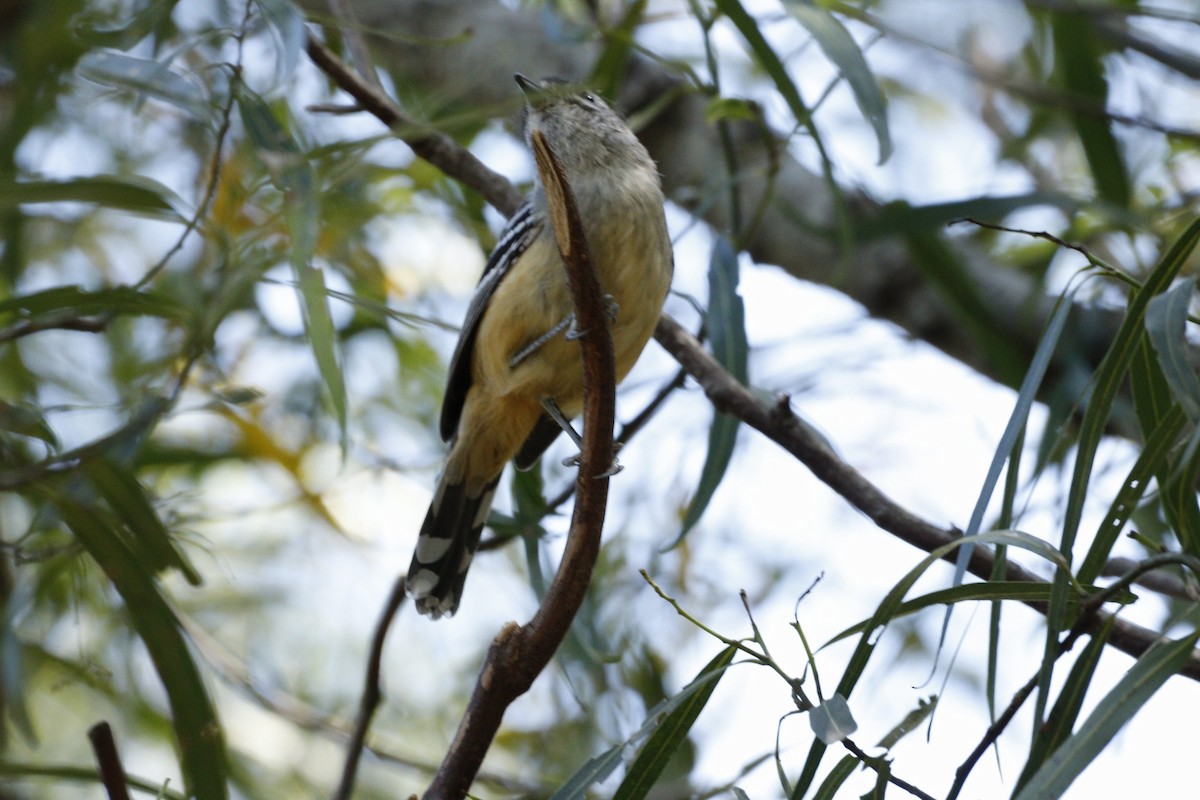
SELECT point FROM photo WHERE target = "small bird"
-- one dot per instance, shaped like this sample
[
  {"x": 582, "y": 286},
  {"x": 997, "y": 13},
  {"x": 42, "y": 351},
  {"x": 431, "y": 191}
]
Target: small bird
[{"x": 516, "y": 374}]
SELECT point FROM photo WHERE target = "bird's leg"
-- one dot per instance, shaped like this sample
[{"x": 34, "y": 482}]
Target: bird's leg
[
  {"x": 610, "y": 305},
  {"x": 525, "y": 352},
  {"x": 558, "y": 416},
  {"x": 567, "y": 324}
]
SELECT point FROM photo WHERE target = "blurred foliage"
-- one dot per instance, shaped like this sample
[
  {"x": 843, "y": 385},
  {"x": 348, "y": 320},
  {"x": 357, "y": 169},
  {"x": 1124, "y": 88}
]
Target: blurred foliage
[{"x": 204, "y": 285}]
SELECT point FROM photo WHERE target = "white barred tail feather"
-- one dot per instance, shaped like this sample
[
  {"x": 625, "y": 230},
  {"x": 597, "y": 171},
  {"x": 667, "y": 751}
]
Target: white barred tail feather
[{"x": 447, "y": 543}]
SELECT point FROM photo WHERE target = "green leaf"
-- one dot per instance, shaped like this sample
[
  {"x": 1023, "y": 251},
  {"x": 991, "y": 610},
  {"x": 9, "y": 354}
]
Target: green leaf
[
  {"x": 25, "y": 421},
  {"x": 727, "y": 333},
  {"x": 147, "y": 77},
  {"x": 1081, "y": 73},
  {"x": 288, "y": 22},
  {"x": 1070, "y": 700},
  {"x": 1166, "y": 323},
  {"x": 197, "y": 731},
  {"x": 832, "y": 721},
  {"x": 593, "y": 772},
  {"x": 1119, "y": 706},
  {"x": 89, "y": 775},
  {"x": 840, "y": 48},
  {"x": 729, "y": 108},
  {"x": 1154, "y": 456},
  {"x": 128, "y": 500},
  {"x": 619, "y": 41},
  {"x": 126, "y": 193},
  {"x": 990, "y": 591},
  {"x": 911, "y": 721},
  {"x": 672, "y": 730},
  {"x": 293, "y": 175},
  {"x": 72, "y": 301},
  {"x": 151, "y": 18},
  {"x": 1098, "y": 402},
  {"x": 767, "y": 59},
  {"x": 840, "y": 773}
]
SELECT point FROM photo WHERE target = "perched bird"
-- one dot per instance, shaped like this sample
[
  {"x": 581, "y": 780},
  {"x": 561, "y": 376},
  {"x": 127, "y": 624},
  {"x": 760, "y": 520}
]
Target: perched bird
[{"x": 516, "y": 375}]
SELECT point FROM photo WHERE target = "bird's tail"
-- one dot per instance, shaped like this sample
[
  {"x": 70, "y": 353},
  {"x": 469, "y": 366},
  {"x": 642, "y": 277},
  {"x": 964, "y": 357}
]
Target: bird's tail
[{"x": 446, "y": 545}]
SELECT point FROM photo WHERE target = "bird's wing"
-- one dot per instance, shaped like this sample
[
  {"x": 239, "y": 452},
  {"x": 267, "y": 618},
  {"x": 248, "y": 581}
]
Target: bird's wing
[{"x": 522, "y": 228}]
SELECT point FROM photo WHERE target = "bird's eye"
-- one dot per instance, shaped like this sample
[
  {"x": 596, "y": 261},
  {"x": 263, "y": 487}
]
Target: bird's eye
[{"x": 591, "y": 98}]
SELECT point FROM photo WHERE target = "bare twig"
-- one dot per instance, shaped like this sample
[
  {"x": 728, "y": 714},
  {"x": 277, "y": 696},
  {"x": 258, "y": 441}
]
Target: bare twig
[
  {"x": 372, "y": 695},
  {"x": 112, "y": 774},
  {"x": 519, "y": 653}
]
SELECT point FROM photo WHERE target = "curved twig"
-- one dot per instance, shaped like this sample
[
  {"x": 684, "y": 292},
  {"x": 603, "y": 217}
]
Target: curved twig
[
  {"x": 372, "y": 694},
  {"x": 519, "y": 653}
]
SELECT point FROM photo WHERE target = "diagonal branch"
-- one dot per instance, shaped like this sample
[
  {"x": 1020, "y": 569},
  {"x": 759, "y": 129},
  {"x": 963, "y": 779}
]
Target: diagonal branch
[{"x": 779, "y": 424}]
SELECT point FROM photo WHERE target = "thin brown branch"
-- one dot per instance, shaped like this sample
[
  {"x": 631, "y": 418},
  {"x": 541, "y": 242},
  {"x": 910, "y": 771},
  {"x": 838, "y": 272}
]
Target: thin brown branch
[
  {"x": 435, "y": 147},
  {"x": 519, "y": 653},
  {"x": 372, "y": 694},
  {"x": 783, "y": 427},
  {"x": 112, "y": 773}
]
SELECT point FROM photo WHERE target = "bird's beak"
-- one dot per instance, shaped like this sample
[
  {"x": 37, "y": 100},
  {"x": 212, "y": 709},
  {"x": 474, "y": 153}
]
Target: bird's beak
[{"x": 529, "y": 86}]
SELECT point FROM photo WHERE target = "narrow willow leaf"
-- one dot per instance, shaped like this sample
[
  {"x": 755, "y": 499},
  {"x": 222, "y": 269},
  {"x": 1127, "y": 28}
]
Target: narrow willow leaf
[
  {"x": 767, "y": 59},
  {"x": 594, "y": 771},
  {"x": 25, "y": 421},
  {"x": 840, "y": 48},
  {"x": 128, "y": 501},
  {"x": 73, "y": 301},
  {"x": 619, "y": 41},
  {"x": 1166, "y": 323},
  {"x": 293, "y": 176},
  {"x": 993, "y": 591},
  {"x": 1066, "y": 709},
  {"x": 1154, "y": 457},
  {"x": 126, "y": 193},
  {"x": 672, "y": 730},
  {"x": 910, "y": 723},
  {"x": 1081, "y": 72},
  {"x": 147, "y": 77},
  {"x": 197, "y": 731},
  {"x": 727, "y": 333},
  {"x": 832, "y": 721},
  {"x": 1098, "y": 402},
  {"x": 841, "y": 771},
  {"x": 150, "y": 19},
  {"x": 1138, "y": 685},
  {"x": 288, "y": 23}
]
